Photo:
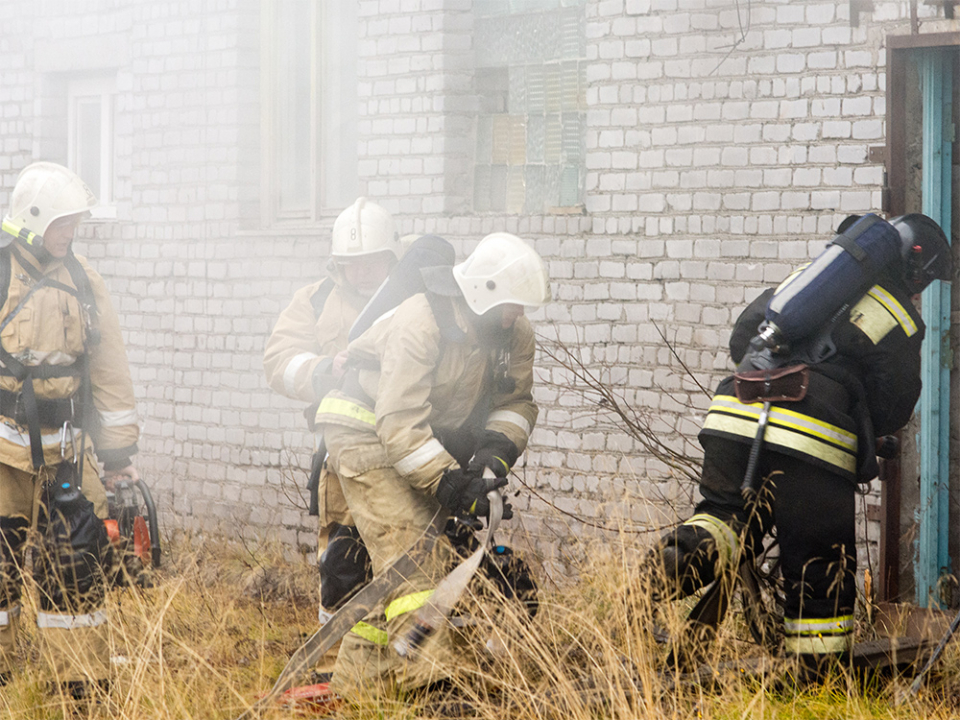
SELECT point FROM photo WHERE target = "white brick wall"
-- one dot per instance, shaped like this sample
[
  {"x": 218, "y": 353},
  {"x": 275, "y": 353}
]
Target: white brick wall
[{"x": 715, "y": 163}]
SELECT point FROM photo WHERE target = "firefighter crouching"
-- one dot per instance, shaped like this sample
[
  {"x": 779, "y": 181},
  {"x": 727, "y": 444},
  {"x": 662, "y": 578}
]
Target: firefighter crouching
[
  {"x": 65, "y": 391},
  {"x": 814, "y": 450},
  {"x": 456, "y": 360}
]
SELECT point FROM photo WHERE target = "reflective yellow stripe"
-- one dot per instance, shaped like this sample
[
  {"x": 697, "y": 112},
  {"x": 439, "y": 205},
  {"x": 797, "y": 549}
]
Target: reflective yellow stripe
[
  {"x": 784, "y": 438},
  {"x": 407, "y": 603},
  {"x": 336, "y": 406},
  {"x": 19, "y": 232},
  {"x": 728, "y": 544},
  {"x": 371, "y": 633},
  {"x": 786, "y": 428},
  {"x": 789, "y": 419},
  {"x": 894, "y": 308},
  {"x": 873, "y": 319},
  {"x": 817, "y": 626},
  {"x": 818, "y": 645}
]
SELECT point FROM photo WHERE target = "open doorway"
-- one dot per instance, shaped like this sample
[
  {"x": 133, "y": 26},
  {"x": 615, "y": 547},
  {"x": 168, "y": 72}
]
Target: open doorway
[{"x": 920, "y": 543}]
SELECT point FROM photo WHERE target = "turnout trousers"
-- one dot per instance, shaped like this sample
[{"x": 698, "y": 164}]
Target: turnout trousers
[
  {"x": 75, "y": 645},
  {"x": 813, "y": 511},
  {"x": 391, "y": 516}
]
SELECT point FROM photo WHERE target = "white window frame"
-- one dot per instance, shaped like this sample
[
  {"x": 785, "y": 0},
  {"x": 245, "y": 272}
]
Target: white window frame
[
  {"x": 333, "y": 124},
  {"x": 103, "y": 88}
]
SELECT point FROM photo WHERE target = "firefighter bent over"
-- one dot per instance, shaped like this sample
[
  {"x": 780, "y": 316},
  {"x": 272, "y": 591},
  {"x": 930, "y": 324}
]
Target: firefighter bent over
[
  {"x": 454, "y": 361},
  {"x": 821, "y": 404},
  {"x": 65, "y": 391}
]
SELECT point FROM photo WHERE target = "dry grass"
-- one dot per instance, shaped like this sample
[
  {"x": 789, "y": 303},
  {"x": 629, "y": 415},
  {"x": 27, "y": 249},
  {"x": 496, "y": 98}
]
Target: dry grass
[{"x": 220, "y": 623}]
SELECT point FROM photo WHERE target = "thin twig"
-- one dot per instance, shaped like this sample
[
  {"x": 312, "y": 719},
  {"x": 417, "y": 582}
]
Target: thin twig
[
  {"x": 582, "y": 521},
  {"x": 673, "y": 351}
]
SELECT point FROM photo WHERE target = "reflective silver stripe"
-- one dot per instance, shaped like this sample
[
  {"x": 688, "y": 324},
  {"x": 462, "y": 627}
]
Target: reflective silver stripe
[
  {"x": 817, "y": 644},
  {"x": 419, "y": 457},
  {"x": 116, "y": 418},
  {"x": 70, "y": 622},
  {"x": 9, "y": 614},
  {"x": 791, "y": 287},
  {"x": 11, "y": 434},
  {"x": 816, "y": 626},
  {"x": 290, "y": 374},
  {"x": 386, "y": 315},
  {"x": 728, "y": 544},
  {"x": 508, "y": 416}
]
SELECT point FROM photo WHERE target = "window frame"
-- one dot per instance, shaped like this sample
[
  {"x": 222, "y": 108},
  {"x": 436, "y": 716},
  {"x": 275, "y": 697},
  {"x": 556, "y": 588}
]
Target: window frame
[
  {"x": 329, "y": 172},
  {"x": 104, "y": 88}
]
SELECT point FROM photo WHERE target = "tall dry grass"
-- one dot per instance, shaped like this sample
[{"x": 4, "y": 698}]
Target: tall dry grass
[{"x": 220, "y": 623}]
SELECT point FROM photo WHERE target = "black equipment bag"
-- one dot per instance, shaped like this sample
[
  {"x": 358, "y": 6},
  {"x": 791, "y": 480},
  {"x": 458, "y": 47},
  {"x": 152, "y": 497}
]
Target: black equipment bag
[{"x": 74, "y": 547}]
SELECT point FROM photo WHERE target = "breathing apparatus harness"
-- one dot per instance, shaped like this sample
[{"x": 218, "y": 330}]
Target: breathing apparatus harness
[
  {"x": 76, "y": 547},
  {"x": 797, "y": 331},
  {"x": 24, "y": 407}
]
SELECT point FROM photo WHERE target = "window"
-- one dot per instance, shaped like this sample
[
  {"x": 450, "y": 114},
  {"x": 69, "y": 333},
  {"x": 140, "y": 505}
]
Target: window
[
  {"x": 530, "y": 79},
  {"x": 309, "y": 115},
  {"x": 90, "y": 146}
]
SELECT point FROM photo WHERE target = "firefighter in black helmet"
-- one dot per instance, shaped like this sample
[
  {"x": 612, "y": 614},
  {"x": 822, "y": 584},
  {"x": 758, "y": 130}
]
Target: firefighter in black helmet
[{"x": 815, "y": 450}]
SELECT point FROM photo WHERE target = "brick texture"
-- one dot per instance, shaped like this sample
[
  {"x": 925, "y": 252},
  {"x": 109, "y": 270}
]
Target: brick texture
[{"x": 720, "y": 151}]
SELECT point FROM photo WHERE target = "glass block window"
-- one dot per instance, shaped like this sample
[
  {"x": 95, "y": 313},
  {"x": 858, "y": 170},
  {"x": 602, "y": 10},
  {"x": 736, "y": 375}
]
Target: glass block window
[{"x": 530, "y": 80}]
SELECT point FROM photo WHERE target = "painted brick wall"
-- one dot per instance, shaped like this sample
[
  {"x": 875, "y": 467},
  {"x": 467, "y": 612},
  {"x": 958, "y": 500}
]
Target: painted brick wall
[{"x": 721, "y": 150}]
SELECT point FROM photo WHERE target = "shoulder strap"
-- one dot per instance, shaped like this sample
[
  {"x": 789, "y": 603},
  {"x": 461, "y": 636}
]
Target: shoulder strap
[
  {"x": 320, "y": 295},
  {"x": 6, "y": 267},
  {"x": 85, "y": 294},
  {"x": 442, "y": 307},
  {"x": 80, "y": 279}
]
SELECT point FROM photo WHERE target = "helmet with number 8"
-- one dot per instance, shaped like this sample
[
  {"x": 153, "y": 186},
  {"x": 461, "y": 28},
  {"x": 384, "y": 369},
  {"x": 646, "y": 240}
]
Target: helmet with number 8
[{"x": 362, "y": 229}]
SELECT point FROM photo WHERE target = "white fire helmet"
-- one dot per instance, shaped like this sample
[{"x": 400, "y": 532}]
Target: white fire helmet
[
  {"x": 364, "y": 228},
  {"x": 503, "y": 270},
  {"x": 44, "y": 192}
]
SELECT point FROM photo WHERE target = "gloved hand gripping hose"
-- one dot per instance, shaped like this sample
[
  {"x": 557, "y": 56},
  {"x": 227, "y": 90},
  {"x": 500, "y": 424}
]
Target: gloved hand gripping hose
[{"x": 435, "y": 612}]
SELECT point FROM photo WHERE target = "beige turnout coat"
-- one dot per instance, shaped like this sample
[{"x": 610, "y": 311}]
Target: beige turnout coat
[
  {"x": 418, "y": 384},
  {"x": 423, "y": 384},
  {"x": 306, "y": 338},
  {"x": 297, "y": 362},
  {"x": 52, "y": 328}
]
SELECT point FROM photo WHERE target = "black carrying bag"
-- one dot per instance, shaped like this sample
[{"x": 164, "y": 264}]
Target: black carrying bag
[{"x": 74, "y": 548}]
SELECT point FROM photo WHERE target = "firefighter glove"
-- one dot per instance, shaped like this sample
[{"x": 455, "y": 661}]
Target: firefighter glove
[
  {"x": 496, "y": 452},
  {"x": 464, "y": 492}
]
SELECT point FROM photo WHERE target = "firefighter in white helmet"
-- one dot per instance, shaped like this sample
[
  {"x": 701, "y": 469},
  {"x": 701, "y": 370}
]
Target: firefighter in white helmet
[
  {"x": 304, "y": 359},
  {"x": 304, "y": 355},
  {"x": 432, "y": 394},
  {"x": 65, "y": 391}
]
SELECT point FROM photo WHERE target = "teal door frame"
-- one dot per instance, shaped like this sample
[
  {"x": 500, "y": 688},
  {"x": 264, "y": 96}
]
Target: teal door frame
[{"x": 936, "y": 67}]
